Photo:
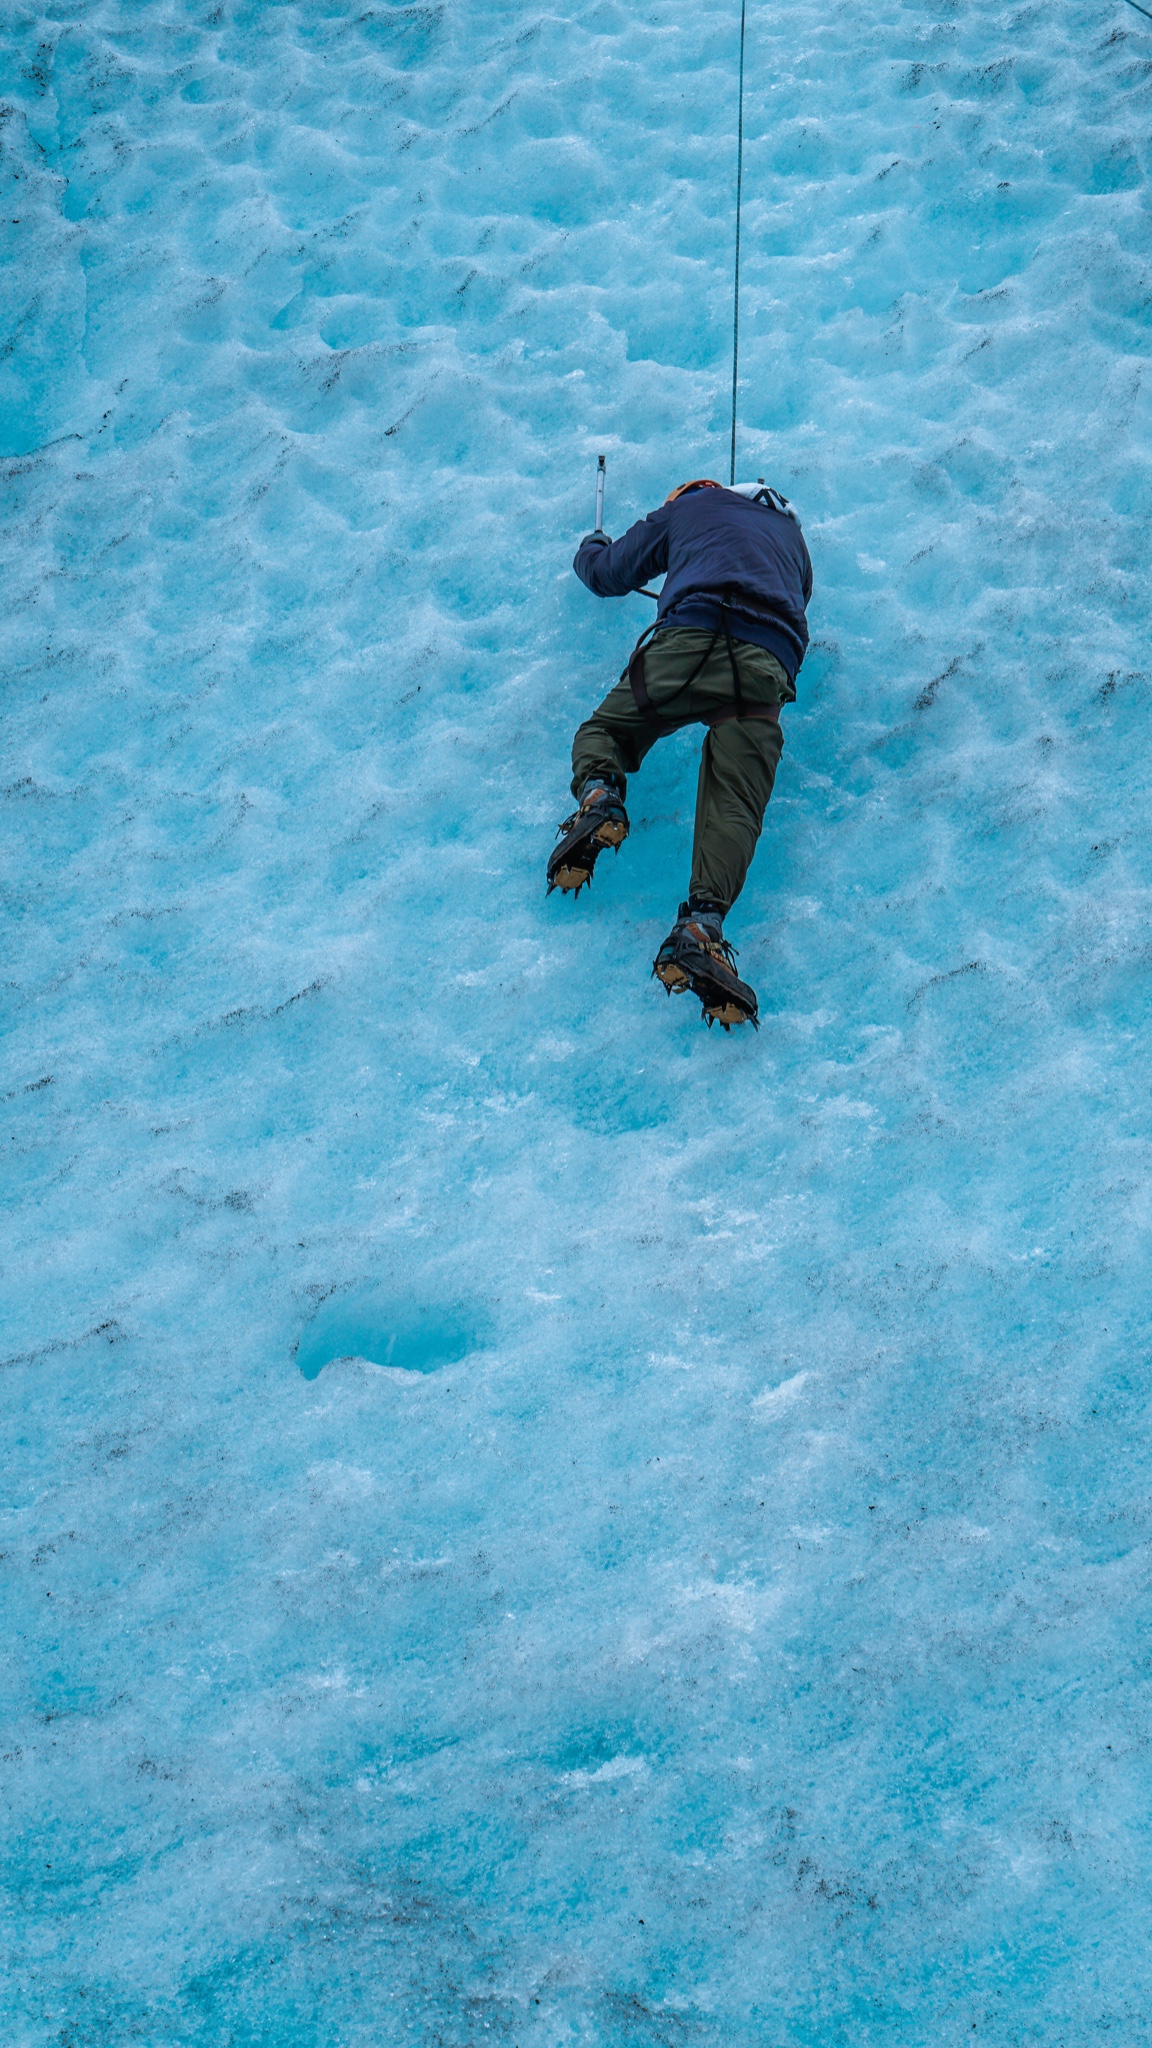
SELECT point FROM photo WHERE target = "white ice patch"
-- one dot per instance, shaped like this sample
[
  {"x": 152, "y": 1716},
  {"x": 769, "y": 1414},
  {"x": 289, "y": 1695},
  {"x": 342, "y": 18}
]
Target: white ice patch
[
  {"x": 780, "y": 1396},
  {"x": 608, "y": 1774}
]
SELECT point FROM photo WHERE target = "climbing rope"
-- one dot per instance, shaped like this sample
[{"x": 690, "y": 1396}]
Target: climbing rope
[
  {"x": 739, "y": 196},
  {"x": 736, "y": 276},
  {"x": 735, "y": 285}
]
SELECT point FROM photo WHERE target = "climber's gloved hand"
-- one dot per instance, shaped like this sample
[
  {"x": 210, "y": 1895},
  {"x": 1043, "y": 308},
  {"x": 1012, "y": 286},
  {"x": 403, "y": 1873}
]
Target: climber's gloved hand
[{"x": 603, "y": 540}]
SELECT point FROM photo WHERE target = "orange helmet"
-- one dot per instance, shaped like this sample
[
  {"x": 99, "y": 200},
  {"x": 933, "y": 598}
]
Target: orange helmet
[{"x": 697, "y": 483}]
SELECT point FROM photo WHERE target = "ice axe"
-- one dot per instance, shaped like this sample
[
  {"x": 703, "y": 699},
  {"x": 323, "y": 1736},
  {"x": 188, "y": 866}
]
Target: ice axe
[{"x": 599, "y": 526}]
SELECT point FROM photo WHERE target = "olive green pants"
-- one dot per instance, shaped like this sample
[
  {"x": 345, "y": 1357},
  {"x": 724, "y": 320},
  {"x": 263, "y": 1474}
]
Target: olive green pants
[{"x": 740, "y": 754}]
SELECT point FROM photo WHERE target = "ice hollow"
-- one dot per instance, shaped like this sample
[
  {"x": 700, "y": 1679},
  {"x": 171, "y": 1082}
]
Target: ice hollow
[{"x": 402, "y": 1336}]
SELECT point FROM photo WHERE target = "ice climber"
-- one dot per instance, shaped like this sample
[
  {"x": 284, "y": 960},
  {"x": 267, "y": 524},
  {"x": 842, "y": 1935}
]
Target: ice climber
[{"x": 729, "y": 637}]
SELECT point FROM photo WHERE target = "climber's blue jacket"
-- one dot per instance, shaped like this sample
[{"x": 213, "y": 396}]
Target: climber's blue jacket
[{"x": 712, "y": 543}]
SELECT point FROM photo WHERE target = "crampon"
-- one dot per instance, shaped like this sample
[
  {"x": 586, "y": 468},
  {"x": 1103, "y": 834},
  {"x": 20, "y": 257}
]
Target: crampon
[
  {"x": 601, "y": 821},
  {"x": 696, "y": 956}
]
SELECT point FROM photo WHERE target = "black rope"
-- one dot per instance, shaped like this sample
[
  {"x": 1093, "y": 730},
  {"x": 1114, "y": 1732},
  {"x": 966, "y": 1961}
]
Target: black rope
[
  {"x": 736, "y": 275},
  {"x": 1140, "y": 10}
]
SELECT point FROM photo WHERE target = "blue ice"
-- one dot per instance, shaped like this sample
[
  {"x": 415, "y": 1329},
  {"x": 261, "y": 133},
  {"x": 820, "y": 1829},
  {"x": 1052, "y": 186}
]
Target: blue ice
[
  {"x": 527, "y": 1521},
  {"x": 398, "y": 1336}
]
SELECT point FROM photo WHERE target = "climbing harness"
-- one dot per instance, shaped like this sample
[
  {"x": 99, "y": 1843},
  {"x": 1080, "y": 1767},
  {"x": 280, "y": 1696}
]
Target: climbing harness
[{"x": 635, "y": 673}]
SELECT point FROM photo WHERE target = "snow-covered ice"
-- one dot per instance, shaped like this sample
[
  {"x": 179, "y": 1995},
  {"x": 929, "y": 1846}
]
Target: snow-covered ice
[{"x": 706, "y": 1600}]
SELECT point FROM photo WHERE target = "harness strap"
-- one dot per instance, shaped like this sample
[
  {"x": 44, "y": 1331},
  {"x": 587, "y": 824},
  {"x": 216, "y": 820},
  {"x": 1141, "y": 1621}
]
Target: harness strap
[
  {"x": 635, "y": 674},
  {"x": 643, "y": 702},
  {"x": 769, "y": 711},
  {"x": 726, "y": 615},
  {"x": 639, "y": 688}
]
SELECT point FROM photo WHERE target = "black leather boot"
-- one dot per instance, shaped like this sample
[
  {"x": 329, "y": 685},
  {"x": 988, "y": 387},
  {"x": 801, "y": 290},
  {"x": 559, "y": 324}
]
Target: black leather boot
[
  {"x": 600, "y": 821},
  {"x": 697, "y": 956}
]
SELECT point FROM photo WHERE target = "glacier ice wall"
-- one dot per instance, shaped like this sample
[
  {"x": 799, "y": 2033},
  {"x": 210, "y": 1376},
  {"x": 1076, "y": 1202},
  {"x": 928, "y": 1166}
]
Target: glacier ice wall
[{"x": 527, "y": 1521}]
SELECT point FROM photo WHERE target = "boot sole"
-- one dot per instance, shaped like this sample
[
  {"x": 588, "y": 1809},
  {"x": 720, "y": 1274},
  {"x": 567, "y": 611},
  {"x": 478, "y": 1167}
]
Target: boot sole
[
  {"x": 568, "y": 879},
  {"x": 727, "y": 1014}
]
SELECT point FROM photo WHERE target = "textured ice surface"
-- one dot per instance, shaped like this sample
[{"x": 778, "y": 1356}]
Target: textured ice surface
[{"x": 741, "y": 1635}]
